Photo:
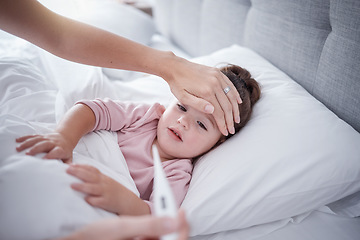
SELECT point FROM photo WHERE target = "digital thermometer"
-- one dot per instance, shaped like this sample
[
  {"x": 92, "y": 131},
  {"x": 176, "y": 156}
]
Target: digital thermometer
[{"x": 164, "y": 202}]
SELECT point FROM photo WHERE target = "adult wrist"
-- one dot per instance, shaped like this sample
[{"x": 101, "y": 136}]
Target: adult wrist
[{"x": 169, "y": 63}]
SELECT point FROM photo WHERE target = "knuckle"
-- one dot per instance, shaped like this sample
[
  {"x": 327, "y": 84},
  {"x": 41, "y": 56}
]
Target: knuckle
[
  {"x": 207, "y": 92},
  {"x": 92, "y": 189}
]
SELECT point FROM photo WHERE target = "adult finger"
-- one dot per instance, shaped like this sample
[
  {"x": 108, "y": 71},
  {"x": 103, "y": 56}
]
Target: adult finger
[
  {"x": 233, "y": 100},
  {"x": 233, "y": 96},
  {"x": 151, "y": 227},
  {"x": 225, "y": 111},
  {"x": 222, "y": 107},
  {"x": 235, "y": 105},
  {"x": 219, "y": 116},
  {"x": 125, "y": 227}
]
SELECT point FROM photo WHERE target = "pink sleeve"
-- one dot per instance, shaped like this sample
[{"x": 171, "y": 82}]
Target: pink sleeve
[
  {"x": 179, "y": 176},
  {"x": 115, "y": 115}
]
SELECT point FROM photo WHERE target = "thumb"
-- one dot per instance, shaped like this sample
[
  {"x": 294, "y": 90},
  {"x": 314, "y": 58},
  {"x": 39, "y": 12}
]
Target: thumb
[{"x": 57, "y": 153}]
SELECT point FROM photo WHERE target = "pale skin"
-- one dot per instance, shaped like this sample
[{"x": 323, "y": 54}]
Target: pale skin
[
  {"x": 193, "y": 84},
  {"x": 182, "y": 132},
  {"x": 127, "y": 227}
]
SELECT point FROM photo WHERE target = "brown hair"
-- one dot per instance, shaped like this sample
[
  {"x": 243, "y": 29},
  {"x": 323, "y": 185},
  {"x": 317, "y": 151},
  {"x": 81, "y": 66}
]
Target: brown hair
[{"x": 249, "y": 91}]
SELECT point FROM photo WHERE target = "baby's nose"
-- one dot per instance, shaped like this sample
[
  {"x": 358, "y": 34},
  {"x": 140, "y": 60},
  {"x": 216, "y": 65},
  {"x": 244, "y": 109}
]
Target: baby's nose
[{"x": 183, "y": 121}]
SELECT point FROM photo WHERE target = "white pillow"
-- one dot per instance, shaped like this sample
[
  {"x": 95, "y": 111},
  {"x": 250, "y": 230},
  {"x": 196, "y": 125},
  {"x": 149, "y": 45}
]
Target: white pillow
[{"x": 292, "y": 157}]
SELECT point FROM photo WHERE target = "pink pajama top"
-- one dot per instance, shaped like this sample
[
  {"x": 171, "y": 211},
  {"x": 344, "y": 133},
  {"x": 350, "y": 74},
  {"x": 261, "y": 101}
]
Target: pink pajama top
[{"x": 136, "y": 126}]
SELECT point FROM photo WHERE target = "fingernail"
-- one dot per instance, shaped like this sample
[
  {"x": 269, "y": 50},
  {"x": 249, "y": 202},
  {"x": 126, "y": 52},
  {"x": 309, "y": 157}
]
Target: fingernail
[
  {"x": 239, "y": 100},
  {"x": 209, "y": 108},
  {"x": 237, "y": 119}
]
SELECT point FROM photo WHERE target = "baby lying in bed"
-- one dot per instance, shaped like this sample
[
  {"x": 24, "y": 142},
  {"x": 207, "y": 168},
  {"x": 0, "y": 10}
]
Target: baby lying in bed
[{"x": 180, "y": 133}]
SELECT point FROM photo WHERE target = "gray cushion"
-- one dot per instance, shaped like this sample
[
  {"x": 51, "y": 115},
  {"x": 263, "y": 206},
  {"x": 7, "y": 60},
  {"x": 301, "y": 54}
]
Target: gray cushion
[
  {"x": 222, "y": 24},
  {"x": 337, "y": 83},
  {"x": 185, "y": 25},
  {"x": 290, "y": 34}
]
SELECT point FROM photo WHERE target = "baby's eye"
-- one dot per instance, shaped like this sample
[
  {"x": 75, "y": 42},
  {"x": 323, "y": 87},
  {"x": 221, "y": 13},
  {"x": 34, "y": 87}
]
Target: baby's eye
[
  {"x": 181, "y": 107},
  {"x": 201, "y": 125}
]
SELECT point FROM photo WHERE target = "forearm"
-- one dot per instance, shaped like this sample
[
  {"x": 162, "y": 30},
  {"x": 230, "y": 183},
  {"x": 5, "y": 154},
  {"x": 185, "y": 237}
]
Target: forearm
[
  {"x": 80, "y": 42},
  {"x": 77, "y": 122},
  {"x": 108, "y": 50},
  {"x": 130, "y": 204},
  {"x": 97, "y": 47}
]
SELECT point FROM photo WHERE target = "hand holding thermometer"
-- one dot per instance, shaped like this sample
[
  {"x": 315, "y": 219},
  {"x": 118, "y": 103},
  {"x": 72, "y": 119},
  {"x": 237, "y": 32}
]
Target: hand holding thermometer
[{"x": 164, "y": 202}]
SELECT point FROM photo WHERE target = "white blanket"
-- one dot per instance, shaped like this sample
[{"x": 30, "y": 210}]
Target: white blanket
[
  {"x": 36, "y": 199},
  {"x": 37, "y": 88}
]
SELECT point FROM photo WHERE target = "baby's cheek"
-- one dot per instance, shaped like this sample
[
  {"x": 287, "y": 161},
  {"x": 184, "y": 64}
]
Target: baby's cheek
[{"x": 197, "y": 146}]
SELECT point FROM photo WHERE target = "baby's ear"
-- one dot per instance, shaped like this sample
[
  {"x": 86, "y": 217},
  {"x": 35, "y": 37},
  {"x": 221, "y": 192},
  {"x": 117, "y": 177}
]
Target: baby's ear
[{"x": 160, "y": 110}]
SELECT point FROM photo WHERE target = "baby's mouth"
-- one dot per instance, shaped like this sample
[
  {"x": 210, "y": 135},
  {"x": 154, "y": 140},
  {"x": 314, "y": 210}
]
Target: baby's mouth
[{"x": 177, "y": 134}]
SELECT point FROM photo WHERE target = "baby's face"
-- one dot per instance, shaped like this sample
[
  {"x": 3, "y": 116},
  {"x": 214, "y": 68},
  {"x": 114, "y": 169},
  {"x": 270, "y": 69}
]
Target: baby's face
[{"x": 184, "y": 132}]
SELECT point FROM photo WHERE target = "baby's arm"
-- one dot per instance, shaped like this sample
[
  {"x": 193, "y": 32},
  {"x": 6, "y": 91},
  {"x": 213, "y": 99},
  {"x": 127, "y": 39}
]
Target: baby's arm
[
  {"x": 60, "y": 144},
  {"x": 104, "y": 192}
]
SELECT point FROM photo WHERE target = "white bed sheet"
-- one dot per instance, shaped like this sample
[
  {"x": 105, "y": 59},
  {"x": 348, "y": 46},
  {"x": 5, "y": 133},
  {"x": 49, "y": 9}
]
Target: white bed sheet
[
  {"x": 45, "y": 84},
  {"x": 319, "y": 225}
]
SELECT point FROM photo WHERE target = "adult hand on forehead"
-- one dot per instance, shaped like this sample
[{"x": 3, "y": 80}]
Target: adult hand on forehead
[
  {"x": 193, "y": 84},
  {"x": 202, "y": 87}
]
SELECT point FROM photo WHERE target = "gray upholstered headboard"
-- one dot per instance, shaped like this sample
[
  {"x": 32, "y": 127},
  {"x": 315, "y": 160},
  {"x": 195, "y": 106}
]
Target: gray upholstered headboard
[{"x": 316, "y": 42}]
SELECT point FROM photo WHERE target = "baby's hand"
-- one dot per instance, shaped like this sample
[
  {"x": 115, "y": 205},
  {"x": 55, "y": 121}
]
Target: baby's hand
[
  {"x": 53, "y": 144},
  {"x": 102, "y": 191}
]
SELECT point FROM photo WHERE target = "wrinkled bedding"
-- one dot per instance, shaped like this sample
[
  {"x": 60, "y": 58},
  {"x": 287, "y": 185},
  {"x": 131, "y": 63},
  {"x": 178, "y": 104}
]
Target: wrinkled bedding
[
  {"x": 35, "y": 193},
  {"x": 37, "y": 88}
]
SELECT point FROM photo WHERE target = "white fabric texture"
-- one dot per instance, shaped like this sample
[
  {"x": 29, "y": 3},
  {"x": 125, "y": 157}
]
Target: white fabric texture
[
  {"x": 293, "y": 157},
  {"x": 35, "y": 194}
]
